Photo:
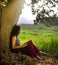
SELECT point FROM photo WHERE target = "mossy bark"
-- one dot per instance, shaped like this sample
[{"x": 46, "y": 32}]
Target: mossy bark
[{"x": 9, "y": 17}]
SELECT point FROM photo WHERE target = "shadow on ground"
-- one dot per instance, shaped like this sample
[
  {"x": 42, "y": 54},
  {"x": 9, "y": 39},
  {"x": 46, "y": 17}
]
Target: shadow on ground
[{"x": 8, "y": 58}]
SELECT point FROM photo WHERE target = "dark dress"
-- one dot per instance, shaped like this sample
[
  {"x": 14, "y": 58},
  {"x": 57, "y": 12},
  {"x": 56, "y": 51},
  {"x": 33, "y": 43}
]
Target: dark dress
[
  {"x": 22, "y": 50},
  {"x": 30, "y": 49}
]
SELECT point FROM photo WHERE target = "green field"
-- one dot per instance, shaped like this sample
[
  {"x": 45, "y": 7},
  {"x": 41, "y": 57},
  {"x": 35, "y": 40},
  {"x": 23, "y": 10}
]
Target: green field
[{"x": 45, "y": 38}]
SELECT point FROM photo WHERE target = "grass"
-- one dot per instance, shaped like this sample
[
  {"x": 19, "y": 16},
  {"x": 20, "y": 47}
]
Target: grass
[{"x": 45, "y": 38}]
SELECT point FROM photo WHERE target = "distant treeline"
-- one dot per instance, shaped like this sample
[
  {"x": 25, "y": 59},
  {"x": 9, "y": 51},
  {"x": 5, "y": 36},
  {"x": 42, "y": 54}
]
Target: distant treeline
[
  {"x": 55, "y": 22},
  {"x": 50, "y": 20}
]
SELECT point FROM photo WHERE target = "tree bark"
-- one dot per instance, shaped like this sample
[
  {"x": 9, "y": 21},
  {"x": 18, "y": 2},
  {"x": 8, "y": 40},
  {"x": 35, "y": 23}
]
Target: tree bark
[
  {"x": 10, "y": 16},
  {"x": 0, "y": 22}
]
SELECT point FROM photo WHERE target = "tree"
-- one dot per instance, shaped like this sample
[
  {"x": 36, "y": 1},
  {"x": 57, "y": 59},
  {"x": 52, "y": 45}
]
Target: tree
[
  {"x": 44, "y": 10},
  {"x": 10, "y": 13}
]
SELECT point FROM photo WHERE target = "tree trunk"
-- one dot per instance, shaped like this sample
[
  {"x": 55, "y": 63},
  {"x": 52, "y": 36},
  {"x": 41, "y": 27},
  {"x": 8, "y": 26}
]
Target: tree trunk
[
  {"x": 0, "y": 22},
  {"x": 10, "y": 16}
]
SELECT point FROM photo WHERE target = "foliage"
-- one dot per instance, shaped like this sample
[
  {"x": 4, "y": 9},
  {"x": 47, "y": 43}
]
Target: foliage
[
  {"x": 4, "y": 2},
  {"x": 43, "y": 10},
  {"x": 45, "y": 38}
]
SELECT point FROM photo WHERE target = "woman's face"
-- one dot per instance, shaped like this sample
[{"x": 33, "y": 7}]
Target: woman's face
[{"x": 19, "y": 32}]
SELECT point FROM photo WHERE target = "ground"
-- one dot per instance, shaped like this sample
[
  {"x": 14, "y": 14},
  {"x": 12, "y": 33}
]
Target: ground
[
  {"x": 9, "y": 58},
  {"x": 49, "y": 60}
]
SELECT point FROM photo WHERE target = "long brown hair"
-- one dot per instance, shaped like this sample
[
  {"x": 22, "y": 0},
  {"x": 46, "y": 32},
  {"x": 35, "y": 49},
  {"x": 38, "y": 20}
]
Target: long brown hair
[{"x": 14, "y": 32}]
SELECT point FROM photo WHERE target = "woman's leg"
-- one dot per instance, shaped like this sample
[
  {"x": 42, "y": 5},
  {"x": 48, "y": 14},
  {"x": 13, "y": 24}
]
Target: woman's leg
[
  {"x": 31, "y": 44},
  {"x": 33, "y": 50}
]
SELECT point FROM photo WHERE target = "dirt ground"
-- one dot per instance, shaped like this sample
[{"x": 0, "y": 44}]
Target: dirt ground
[
  {"x": 14, "y": 59},
  {"x": 49, "y": 60}
]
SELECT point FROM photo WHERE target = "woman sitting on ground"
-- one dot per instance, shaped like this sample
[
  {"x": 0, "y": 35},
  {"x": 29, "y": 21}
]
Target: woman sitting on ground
[{"x": 27, "y": 48}]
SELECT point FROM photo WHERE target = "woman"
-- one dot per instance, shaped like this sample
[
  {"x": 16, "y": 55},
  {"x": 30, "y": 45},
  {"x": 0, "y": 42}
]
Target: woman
[{"x": 27, "y": 48}]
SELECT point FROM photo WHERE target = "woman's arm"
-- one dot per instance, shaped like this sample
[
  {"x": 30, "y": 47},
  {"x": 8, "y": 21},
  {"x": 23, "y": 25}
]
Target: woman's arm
[{"x": 14, "y": 43}]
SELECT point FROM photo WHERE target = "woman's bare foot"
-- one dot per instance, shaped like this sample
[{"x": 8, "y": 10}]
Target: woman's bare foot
[
  {"x": 44, "y": 53},
  {"x": 39, "y": 58}
]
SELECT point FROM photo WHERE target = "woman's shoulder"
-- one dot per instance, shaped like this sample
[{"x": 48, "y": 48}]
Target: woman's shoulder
[{"x": 14, "y": 37}]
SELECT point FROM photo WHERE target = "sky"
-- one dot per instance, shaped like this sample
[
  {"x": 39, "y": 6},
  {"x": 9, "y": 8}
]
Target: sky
[{"x": 26, "y": 16}]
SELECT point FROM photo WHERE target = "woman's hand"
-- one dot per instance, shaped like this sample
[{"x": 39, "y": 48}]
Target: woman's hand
[{"x": 24, "y": 45}]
